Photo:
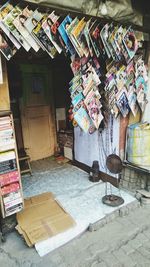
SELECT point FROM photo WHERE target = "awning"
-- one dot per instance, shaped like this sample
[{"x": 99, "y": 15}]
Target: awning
[{"x": 119, "y": 10}]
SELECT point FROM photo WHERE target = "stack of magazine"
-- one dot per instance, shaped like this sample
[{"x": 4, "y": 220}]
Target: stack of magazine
[{"x": 10, "y": 189}]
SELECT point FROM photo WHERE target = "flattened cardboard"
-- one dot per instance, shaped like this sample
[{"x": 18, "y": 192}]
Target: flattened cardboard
[{"x": 42, "y": 218}]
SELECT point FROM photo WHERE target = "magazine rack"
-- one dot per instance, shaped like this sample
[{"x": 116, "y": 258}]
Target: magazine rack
[{"x": 11, "y": 197}]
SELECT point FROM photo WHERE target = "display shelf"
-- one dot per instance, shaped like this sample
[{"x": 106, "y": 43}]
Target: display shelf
[{"x": 11, "y": 197}]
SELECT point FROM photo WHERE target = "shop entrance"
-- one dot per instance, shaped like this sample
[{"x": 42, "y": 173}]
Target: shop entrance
[{"x": 37, "y": 91}]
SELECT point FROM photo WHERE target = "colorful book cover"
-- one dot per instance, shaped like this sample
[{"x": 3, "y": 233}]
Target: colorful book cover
[
  {"x": 78, "y": 35},
  {"x": 121, "y": 77},
  {"x": 93, "y": 34},
  {"x": 93, "y": 106},
  {"x": 7, "y": 48},
  {"x": 115, "y": 46},
  {"x": 119, "y": 35},
  {"x": 48, "y": 27},
  {"x": 132, "y": 100},
  {"x": 104, "y": 36},
  {"x": 83, "y": 119},
  {"x": 77, "y": 98},
  {"x": 54, "y": 22},
  {"x": 4, "y": 10},
  {"x": 62, "y": 30},
  {"x": 122, "y": 102},
  {"x": 130, "y": 42},
  {"x": 130, "y": 74},
  {"x": 75, "y": 64},
  {"x": 43, "y": 39},
  {"x": 8, "y": 21},
  {"x": 87, "y": 37},
  {"x": 31, "y": 23},
  {"x": 19, "y": 24},
  {"x": 71, "y": 37}
]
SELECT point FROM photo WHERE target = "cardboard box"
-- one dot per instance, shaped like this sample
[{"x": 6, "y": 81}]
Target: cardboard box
[{"x": 42, "y": 218}]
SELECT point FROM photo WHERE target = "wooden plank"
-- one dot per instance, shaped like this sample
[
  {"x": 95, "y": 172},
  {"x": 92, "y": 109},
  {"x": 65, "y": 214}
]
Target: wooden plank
[
  {"x": 4, "y": 89},
  {"x": 103, "y": 176}
]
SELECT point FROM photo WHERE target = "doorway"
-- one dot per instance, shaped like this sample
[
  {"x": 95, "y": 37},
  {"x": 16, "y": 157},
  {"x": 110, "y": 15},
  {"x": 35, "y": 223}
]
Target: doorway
[{"x": 37, "y": 88}]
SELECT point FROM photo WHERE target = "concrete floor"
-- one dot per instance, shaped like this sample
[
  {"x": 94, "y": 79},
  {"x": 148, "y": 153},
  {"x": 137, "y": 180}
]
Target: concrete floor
[
  {"x": 117, "y": 241},
  {"x": 122, "y": 242}
]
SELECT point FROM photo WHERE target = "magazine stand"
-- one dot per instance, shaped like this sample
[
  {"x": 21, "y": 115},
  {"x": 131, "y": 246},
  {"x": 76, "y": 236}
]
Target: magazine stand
[{"x": 11, "y": 197}]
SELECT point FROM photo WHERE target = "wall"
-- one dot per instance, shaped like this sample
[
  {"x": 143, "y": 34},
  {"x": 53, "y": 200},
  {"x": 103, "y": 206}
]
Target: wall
[
  {"x": 133, "y": 180},
  {"x": 96, "y": 146},
  {"x": 4, "y": 89}
]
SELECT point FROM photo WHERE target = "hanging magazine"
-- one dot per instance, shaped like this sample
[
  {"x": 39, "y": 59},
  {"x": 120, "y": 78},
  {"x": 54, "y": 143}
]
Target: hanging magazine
[
  {"x": 122, "y": 102},
  {"x": 19, "y": 24},
  {"x": 87, "y": 37},
  {"x": 77, "y": 34},
  {"x": 46, "y": 25},
  {"x": 4, "y": 10},
  {"x": 83, "y": 119},
  {"x": 104, "y": 36},
  {"x": 31, "y": 22},
  {"x": 93, "y": 106},
  {"x": 8, "y": 21},
  {"x": 50, "y": 26},
  {"x": 43, "y": 38},
  {"x": 7, "y": 48},
  {"x": 62, "y": 30},
  {"x": 132, "y": 100},
  {"x": 130, "y": 43}
]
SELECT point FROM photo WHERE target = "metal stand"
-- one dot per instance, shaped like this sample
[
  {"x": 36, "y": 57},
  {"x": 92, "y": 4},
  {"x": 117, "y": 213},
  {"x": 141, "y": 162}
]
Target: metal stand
[
  {"x": 114, "y": 165},
  {"x": 2, "y": 236},
  {"x": 112, "y": 200}
]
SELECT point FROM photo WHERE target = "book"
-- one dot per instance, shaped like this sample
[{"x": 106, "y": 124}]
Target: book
[
  {"x": 83, "y": 119},
  {"x": 4, "y": 156},
  {"x": 93, "y": 106},
  {"x": 130, "y": 42},
  {"x": 62, "y": 30},
  {"x": 10, "y": 188},
  {"x": 19, "y": 24},
  {"x": 69, "y": 30},
  {"x": 8, "y": 21},
  {"x": 50, "y": 27},
  {"x": 77, "y": 33},
  {"x": 132, "y": 100},
  {"x": 31, "y": 22},
  {"x": 4, "y": 10},
  {"x": 9, "y": 177},
  {"x": 7, "y": 47},
  {"x": 7, "y": 166},
  {"x": 43, "y": 38},
  {"x": 87, "y": 37},
  {"x": 104, "y": 37},
  {"x": 11, "y": 196},
  {"x": 122, "y": 102}
]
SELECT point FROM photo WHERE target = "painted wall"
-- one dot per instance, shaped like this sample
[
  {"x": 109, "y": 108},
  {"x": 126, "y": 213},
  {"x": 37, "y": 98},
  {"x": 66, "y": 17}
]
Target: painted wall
[{"x": 97, "y": 146}]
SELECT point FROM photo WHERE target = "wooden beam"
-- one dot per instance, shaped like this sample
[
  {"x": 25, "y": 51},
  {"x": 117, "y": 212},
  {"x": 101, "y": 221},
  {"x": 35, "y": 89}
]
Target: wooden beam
[{"x": 103, "y": 176}]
